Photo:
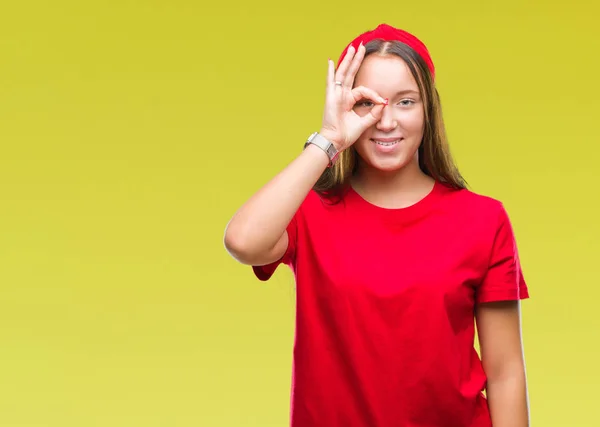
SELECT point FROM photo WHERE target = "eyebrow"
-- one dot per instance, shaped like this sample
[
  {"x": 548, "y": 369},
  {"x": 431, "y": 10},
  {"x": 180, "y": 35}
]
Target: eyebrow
[{"x": 407, "y": 92}]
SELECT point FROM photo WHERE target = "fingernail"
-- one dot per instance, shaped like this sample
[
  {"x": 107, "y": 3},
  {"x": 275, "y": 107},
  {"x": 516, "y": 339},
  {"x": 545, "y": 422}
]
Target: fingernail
[{"x": 386, "y": 101}]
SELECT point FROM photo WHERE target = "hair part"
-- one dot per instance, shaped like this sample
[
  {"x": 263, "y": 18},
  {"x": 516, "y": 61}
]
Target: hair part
[{"x": 435, "y": 159}]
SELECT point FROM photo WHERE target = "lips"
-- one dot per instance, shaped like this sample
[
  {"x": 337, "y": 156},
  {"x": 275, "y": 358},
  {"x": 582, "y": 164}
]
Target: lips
[
  {"x": 386, "y": 142},
  {"x": 391, "y": 139}
]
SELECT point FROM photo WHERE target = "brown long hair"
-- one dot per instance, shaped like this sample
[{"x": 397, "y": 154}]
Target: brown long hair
[{"x": 435, "y": 159}]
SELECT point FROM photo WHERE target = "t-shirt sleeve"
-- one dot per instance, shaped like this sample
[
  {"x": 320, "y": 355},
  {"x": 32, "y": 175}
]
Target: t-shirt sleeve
[
  {"x": 264, "y": 272},
  {"x": 504, "y": 278}
]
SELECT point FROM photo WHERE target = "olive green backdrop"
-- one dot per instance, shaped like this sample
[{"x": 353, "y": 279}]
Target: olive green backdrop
[{"x": 130, "y": 132}]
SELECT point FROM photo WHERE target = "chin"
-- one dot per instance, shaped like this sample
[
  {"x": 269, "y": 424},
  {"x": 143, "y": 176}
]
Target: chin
[
  {"x": 386, "y": 163},
  {"x": 387, "y": 166}
]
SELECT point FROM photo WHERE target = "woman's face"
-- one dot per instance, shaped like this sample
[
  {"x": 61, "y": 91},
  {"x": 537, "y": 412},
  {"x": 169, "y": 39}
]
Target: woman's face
[{"x": 393, "y": 141}]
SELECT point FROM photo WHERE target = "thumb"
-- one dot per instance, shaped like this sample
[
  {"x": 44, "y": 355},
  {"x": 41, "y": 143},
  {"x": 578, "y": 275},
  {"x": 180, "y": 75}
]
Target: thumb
[{"x": 374, "y": 115}]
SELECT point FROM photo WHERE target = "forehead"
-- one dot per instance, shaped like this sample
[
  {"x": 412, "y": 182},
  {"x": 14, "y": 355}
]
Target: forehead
[{"x": 385, "y": 73}]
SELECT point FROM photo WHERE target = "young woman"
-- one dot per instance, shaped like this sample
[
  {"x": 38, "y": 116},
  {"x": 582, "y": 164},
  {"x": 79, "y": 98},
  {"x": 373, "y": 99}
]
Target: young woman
[{"x": 396, "y": 262}]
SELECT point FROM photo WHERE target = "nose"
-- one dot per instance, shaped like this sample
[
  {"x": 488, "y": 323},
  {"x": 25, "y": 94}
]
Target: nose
[{"x": 387, "y": 122}]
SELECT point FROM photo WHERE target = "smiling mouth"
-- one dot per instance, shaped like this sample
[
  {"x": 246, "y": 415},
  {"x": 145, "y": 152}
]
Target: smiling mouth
[{"x": 388, "y": 142}]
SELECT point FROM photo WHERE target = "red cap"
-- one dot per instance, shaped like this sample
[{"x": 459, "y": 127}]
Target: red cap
[{"x": 389, "y": 33}]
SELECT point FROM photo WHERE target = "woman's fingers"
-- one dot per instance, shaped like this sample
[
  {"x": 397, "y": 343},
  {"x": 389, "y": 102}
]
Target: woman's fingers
[
  {"x": 362, "y": 92},
  {"x": 372, "y": 117},
  {"x": 374, "y": 114},
  {"x": 330, "y": 78},
  {"x": 354, "y": 66},
  {"x": 340, "y": 75}
]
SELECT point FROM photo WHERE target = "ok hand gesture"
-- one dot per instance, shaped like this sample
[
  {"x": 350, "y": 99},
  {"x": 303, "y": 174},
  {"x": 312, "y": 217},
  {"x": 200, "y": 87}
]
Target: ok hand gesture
[{"x": 341, "y": 125}]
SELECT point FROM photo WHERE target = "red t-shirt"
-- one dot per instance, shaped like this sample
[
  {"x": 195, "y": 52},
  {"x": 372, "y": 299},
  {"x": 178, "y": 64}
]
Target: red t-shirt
[{"x": 384, "y": 308}]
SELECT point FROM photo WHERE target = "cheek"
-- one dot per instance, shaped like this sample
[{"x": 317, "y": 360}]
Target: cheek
[
  {"x": 413, "y": 123},
  {"x": 361, "y": 144}
]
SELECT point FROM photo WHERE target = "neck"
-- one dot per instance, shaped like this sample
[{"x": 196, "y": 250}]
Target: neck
[{"x": 395, "y": 189}]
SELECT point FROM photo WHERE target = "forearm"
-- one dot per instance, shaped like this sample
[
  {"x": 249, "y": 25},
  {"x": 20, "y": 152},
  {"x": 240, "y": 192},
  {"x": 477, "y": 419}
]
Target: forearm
[
  {"x": 259, "y": 224},
  {"x": 256, "y": 233},
  {"x": 508, "y": 400}
]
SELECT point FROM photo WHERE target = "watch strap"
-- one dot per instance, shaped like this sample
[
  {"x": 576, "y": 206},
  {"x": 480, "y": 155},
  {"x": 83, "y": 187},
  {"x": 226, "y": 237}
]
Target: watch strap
[{"x": 324, "y": 144}]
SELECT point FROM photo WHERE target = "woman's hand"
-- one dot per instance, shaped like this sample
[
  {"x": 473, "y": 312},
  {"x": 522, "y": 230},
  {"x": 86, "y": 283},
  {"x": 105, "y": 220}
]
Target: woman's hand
[{"x": 341, "y": 125}]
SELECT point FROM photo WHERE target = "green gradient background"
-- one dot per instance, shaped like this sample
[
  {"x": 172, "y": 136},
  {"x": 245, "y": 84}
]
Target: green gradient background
[{"x": 130, "y": 131}]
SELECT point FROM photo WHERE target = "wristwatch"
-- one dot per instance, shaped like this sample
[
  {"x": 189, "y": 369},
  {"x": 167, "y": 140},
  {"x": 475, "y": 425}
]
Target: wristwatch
[{"x": 320, "y": 141}]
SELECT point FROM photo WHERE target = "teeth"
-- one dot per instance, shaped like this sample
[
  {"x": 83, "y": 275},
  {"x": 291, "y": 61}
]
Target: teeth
[{"x": 386, "y": 144}]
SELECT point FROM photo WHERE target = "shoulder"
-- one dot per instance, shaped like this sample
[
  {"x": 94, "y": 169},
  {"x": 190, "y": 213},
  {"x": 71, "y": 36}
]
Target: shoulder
[
  {"x": 469, "y": 198},
  {"x": 471, "y": 201},
  {"x": 475, "y": 208}
]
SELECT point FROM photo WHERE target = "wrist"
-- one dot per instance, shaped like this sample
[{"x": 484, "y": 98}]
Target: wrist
[
  {"x": 331, "y": 137},
  {"x": 318, "y": 154},
  {"x": 324, "y": 145}
]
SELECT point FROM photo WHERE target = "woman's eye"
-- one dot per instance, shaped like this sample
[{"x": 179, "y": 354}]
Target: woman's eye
[
  {"x": 364, "y": 103},
  {"x": 368, "y": 104}
]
